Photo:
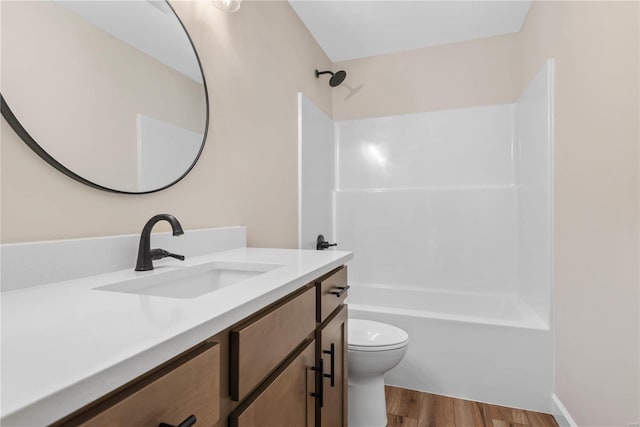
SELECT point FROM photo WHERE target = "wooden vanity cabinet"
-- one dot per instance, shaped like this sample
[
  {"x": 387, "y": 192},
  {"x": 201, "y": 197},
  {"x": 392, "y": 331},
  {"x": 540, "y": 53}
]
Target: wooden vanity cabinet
[
  {"x": 332, "y": 346},
  {"x": 286, "y": 400},
  {"x": 331, "y": 291},
  {"x": 318, "y": 367},
  {"x": 188, "y": 386},
  {"x": 331, "y": 338},
  {"x": 283, "y": 366},
  {"x": 260, "y": 345}
]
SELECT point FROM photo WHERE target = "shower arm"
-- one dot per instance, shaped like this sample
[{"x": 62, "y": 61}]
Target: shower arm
[{"x": 319, "y": 73}]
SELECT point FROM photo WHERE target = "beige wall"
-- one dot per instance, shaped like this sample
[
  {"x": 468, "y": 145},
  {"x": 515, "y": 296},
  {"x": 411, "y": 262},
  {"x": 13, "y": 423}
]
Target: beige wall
[
  {"x": 255, "y": 62},
  {"x": 596, "y": 187},
  {"x": 470, "y": 73}
]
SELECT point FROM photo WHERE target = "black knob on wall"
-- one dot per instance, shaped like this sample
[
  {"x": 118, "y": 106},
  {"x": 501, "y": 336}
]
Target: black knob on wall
[{"x": 322, "y": 244}]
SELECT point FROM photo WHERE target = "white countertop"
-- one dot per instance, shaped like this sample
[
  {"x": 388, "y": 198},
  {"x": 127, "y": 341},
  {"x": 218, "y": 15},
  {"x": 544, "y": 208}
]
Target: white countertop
[{"x": 66, "y": 344}]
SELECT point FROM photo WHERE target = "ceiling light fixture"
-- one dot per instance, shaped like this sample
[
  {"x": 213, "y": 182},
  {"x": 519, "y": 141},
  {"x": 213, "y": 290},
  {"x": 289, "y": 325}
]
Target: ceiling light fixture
[{"x": 227, "y": 5}]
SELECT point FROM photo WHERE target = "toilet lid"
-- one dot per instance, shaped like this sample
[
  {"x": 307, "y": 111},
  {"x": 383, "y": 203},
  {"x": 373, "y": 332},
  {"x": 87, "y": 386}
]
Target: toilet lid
[{"x": 367, "y": 335}]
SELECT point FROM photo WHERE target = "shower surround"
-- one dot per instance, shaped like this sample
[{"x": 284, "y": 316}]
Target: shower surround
[{"x": 448, "y": 214}]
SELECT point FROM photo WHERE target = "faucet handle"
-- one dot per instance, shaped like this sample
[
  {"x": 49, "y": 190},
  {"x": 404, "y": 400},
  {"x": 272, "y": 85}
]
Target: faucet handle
[
  {"x": 322, "y": 244},
  {"x": 157, "y": 254}
]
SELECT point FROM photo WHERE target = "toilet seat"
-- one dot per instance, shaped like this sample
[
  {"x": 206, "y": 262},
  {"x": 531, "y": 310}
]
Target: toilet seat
[{"x": 367, "y": 335}]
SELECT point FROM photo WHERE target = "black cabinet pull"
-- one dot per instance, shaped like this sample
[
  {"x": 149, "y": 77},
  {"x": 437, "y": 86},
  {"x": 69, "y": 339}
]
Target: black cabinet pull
[
  {"x": 319, "y": 393},
  {"x": 191, "y": 420},
  {"x": 332, "y": 375},
  {"x": 342, "y": 290}
]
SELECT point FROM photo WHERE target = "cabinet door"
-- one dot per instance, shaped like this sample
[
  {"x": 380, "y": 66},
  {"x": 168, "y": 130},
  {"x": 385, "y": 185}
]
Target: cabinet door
[
  {"x": 333, "y": 351},
  {"x": 285, "y": 399},
  {"x": 188, "y": 387}
]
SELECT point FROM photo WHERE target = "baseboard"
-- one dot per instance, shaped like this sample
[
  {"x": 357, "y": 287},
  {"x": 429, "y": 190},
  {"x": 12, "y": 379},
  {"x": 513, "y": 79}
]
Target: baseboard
[{"x": 562, "y": 416}]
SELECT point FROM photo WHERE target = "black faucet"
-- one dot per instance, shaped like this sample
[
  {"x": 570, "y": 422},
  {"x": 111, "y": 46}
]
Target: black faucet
[{"x": 145, "y": 253}]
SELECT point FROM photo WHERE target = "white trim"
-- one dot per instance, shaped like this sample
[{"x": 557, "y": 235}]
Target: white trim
[
  {"x": 551, "y": 64},
  {"x": 336, "y": 181},
  {"x": 560, "y": 413},
  {"x": 300, "y": 170}
]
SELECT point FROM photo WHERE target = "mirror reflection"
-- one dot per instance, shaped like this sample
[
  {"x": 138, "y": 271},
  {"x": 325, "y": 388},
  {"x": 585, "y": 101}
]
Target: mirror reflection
[{"x": 112, "y": 90}]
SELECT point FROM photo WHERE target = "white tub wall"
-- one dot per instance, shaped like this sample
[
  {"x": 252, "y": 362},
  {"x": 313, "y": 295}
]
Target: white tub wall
[
  {"x": 316, "y": 173},
  {"x": 430, "y": 201},
  {"x": 450, "y": 148},
  {"x": 427, "y": 199},
  {"x": 494, "y": 309},
  {"x": 454, "y": 240},
  {"x": 474, "y": 361},
  {"x": 533, "y": 115}
]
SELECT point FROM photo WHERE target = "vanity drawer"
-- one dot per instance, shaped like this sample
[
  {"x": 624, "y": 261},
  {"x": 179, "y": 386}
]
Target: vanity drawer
[
  {"x": 331, "y": 292},
  {"x": 188, "y": 386},
  {"x": 261, "y": 345}
]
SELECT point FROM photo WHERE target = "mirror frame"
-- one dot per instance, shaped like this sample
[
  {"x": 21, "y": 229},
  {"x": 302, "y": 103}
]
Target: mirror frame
[{"x": 15, "y": 124}]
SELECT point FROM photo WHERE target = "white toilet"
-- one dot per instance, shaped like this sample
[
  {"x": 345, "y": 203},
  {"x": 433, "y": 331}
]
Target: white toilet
[{"x": 374, "y": 348}]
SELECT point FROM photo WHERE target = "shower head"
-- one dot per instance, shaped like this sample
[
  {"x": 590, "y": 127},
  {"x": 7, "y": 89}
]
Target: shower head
[{"x": 336, "y": 78}]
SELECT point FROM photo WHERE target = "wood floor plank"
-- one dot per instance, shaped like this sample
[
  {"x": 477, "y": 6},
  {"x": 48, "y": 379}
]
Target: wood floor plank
[
  {"x": 490, "y": 413},
  {"x": 538, "y": 419},
  {"x": 436, "y": 411},
  {"x": 467, "y": 413},
  {"x": 408, "y": 408},
  {"x": 513, "y": 415},
  {"x": 400, "y": 421},
  {"x": 403, "y": 402},
  {"x": 510, "y": 415},
  {"x": 500, "y": 423}
]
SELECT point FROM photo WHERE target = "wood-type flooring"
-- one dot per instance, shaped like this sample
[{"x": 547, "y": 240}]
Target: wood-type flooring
[{"x": 409, "y": 408}]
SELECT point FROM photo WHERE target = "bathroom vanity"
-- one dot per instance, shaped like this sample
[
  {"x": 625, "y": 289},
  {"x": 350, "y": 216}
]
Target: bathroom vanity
[
  {"x": 269, "y": 350},
  {"x": 283, "y": 366}
]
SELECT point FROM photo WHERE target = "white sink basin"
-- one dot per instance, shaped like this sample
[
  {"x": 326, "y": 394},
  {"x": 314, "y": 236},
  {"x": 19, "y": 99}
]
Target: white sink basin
[{"x": 190, "y": 282}]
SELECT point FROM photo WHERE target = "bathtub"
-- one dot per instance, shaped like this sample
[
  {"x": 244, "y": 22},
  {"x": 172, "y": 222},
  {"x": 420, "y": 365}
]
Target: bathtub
[{"x": 485, "y": 347}]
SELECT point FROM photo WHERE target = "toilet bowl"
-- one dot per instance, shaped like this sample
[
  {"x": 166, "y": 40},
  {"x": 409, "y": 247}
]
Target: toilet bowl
[{"x": 373, "y": 349}]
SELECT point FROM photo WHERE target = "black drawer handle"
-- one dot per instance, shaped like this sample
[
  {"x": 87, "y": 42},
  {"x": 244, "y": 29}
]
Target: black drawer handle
[
  {"x": 186, "y": 423},
  {"x": 341, "y": 292},
  {"x": 332, "y": 375},
  {"x": 319, "y": 393}
]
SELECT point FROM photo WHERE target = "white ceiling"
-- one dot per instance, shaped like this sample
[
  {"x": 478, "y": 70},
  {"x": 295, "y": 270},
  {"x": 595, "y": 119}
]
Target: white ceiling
[{"x": 354, "y": 29}]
